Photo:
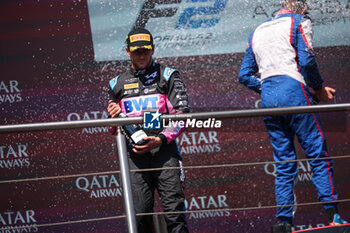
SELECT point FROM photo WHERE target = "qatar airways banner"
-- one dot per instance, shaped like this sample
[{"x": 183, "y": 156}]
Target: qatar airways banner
[{"x": 198, "y": 27}]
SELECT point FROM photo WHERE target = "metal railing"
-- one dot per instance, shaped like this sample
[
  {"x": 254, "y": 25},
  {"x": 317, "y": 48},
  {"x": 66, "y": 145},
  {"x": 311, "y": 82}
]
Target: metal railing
[
  {"x": 121, "y": 143},
  {"x": 203, "y": 115}
]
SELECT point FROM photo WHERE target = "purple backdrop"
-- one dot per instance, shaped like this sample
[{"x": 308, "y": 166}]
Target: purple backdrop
[{"x": 48, "y": 74}]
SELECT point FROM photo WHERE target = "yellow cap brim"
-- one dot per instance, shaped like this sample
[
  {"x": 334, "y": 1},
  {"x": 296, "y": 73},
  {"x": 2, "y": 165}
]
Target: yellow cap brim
[{"x": 134, "y": 48}]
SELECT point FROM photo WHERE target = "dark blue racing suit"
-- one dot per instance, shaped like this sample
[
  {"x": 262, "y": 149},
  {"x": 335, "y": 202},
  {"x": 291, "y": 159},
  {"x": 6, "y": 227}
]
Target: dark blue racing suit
[
  {"x": 281, "y": 51},
  {"x": 156, "y": 88}
]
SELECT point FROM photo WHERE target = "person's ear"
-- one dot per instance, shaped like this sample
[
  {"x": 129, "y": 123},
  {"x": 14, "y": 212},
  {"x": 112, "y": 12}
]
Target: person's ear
[{"x": 127, "y": 51}]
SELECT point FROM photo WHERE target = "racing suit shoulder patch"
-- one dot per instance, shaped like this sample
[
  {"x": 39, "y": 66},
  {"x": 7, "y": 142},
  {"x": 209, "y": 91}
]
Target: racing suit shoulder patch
[
  {"x": 168, "y": 72},
  {"x": 113, "y": 82}
]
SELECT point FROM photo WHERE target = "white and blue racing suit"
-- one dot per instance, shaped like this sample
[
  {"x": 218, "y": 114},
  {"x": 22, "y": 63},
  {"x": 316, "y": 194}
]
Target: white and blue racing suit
[{"x": 279, "y": 63}]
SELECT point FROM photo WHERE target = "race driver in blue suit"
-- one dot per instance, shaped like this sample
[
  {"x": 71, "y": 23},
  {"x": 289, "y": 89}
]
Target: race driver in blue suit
[{"x": 279, "y": 64}]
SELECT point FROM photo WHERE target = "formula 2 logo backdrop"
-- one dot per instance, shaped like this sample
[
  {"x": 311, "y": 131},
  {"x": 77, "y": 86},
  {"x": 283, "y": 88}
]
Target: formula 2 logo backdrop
[{"x": 201, "y": 27}]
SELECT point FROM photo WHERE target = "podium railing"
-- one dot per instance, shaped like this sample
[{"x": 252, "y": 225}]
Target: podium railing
[{"x": 121, "y": 143}]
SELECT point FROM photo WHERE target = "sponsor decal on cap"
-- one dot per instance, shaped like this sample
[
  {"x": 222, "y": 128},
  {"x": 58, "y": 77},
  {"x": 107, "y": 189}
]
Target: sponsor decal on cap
[{"x": 140, "y": 37}]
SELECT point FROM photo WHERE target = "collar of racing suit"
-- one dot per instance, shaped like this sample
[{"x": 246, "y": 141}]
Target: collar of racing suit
[
  {"x": 284, "y": 11},
  {"x": 149, "y": 75}
]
